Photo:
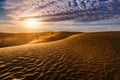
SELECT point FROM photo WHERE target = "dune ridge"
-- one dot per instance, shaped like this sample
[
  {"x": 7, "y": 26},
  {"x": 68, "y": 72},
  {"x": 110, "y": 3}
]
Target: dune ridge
[
  {"x": 85, "y": 56},
  {"x": 16, "y": 39}
]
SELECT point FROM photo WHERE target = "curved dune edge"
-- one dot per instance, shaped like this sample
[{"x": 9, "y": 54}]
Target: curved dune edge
[
  {"x": 90, "y": 56},
  {"x": 18, "y": 39}
]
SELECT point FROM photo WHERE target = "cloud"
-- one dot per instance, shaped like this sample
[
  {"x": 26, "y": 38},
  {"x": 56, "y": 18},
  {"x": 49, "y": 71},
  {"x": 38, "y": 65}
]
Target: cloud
[
  {"x": 5, "y": 22},
  {"x": 60, "y": 10}
]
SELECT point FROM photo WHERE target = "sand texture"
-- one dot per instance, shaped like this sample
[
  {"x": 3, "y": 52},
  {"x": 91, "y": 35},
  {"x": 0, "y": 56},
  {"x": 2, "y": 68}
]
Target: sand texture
[{"x": 84, "y": 56}]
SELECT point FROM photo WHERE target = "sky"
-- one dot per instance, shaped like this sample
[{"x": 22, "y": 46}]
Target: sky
[{"x": 60, "y": 15}]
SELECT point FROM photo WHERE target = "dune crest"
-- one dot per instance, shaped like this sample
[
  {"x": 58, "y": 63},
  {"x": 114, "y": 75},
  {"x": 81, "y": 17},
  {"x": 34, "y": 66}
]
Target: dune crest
[{"x": 8, "y": 39}]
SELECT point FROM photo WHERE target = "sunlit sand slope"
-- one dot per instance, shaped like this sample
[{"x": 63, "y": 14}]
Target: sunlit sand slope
[
  {"x": 8, "y": 39},
  {"x": 86, "y": 56}
]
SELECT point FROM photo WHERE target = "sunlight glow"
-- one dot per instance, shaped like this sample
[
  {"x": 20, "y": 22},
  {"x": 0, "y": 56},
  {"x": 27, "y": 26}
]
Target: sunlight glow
[{"x": 31, "y": 23}]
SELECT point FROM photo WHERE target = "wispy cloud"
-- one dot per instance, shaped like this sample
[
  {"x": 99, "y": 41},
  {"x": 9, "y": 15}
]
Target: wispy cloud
[
  {"x": 5, "y": 22},
  {"x": 59, "y": 10}
]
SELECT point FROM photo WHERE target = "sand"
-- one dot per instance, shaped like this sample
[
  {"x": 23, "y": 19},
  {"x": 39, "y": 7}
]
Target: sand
[
  {"x": 10, "y": 39},
  {"x": 85, "y": 56}
]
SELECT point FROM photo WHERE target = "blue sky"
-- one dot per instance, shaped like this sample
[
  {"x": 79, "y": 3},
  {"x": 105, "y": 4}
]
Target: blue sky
[{"x": 60, "y": 15}]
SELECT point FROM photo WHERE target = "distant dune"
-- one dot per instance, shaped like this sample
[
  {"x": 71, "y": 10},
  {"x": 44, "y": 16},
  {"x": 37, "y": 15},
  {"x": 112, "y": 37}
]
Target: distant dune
[
  {"x": 9, "y": 39},
  {"x": 83, "y": 56}
]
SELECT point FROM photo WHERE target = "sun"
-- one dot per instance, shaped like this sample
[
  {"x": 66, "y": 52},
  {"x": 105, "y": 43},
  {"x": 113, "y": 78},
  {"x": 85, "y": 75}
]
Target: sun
[{"x": 31, "y": 23}]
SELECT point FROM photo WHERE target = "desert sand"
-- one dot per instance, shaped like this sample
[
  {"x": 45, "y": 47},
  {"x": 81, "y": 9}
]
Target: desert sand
[
  {"x": 15, "y": 39},
  {"x": 83, "y": 56}
]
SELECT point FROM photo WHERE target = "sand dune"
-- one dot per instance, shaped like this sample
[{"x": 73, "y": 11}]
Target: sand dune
[
  {"x": 85, "y": 56},
  {"x": 9, "y": 39}
]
